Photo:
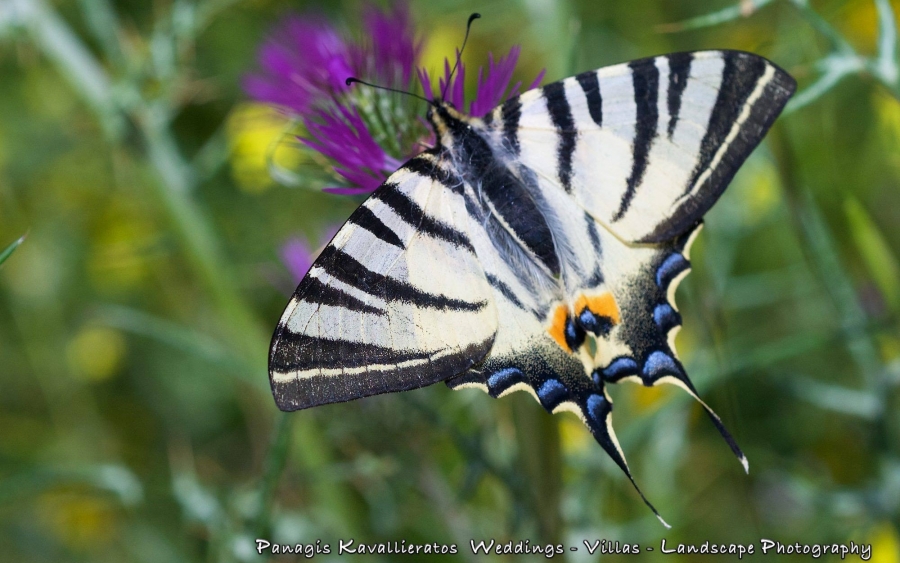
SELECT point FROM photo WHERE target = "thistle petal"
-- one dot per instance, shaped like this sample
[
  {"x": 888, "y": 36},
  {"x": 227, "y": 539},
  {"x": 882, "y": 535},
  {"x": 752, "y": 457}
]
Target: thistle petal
[
  {"x": 394, "y": 49},
  {"x": 304, "y": 62},
  {"x": 303, "y": 68}
]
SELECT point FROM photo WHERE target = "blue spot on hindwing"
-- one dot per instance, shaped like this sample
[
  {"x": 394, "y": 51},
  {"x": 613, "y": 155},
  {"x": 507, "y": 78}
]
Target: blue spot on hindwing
[
  {"x": 503, "y": 379},
  {"x": 658, "y": 364},
  {"x": 598, "y": 408},
  {"x": 671, "y": 267},
  {"x": 619, "y": 368},
  {"x": 574, "y": 334},
  {"x": 596, "y": 324},
  {"x": 551, "y": 393},
  {"x": 666, "y": 317}
]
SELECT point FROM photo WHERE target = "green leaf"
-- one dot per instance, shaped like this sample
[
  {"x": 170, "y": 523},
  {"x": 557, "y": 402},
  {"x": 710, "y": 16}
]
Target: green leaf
[
  {"x": 837, "y": 398},
  {"x": 875, "y": 252},
  {"x": 10, "y": 249}
]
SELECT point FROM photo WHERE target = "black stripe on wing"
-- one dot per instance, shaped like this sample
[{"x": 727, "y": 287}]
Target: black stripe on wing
[
  {"x": 645, "y": 77},
  {"x": 561, "y": 115},
  {"x": 295, "y": 353},
  {"x": 368, "y": 220},
  {"x": 510, "y": 113},
  {"x": 425, "y": 167},
  {"x": 590, "y": 84},
  {"x": 413, "y": 214},
  {"x": 521, "y": 215},
  {"x": 505, "y": 291},
  {"x": 366, "y": 369},
  {"x": 741, "y": 75},
  {"x": 314, "y": 291},
  {"x": 679, "y": 71},
  {"x": 341, "y": 266}
]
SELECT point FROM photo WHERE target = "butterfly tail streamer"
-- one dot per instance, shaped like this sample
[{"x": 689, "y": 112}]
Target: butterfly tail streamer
[
  {"x": 684, "y": 382},
  {"x": 681, "y": 380},
  {"x": 720, "y": 426},
  {"x": 728, "y": 438},
  {"x": 599, "y": 421}
]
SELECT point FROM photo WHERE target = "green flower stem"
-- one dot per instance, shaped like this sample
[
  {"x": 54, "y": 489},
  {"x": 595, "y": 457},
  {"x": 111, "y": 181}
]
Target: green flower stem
[
  {"x": 731, "y": 13},
  {"x": 74, "y": 61},
  {"x": 199, "y": 242},
  {"x": 102, "y": 21},
  {"x": 886, "y": 66},
  {"x": 272, "y": 470},
  {"x": 176, "y": 180},
  {"x": 838, "y": 43},
  {"x": 537, "y": 438}
]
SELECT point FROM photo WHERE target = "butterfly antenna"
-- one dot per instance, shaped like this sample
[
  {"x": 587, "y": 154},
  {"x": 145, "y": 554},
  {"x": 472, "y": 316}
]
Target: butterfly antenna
[
  {"x": 353, "y": 80},
  {"x": 459, "y": 53}
]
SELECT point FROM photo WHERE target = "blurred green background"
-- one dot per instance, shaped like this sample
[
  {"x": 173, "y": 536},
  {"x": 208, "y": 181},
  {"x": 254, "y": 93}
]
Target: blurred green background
[{"x": 136, "y": 422}]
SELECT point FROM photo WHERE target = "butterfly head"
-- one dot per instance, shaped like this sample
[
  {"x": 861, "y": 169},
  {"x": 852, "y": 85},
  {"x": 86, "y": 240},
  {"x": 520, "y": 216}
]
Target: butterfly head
[{"x": 446, "y": 120}]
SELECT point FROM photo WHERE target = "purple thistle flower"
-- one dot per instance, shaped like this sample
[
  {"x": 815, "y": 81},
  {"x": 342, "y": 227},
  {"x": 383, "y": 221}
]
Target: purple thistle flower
[
  {"x": 393, "y": 52},
  {"x": 365, "y": 134},
  {"x": 491, "y": 87},
  {"x": 297, "y": 256},
  {"x": 304, "y": 63},
  {"x": 341, "y": 135}
]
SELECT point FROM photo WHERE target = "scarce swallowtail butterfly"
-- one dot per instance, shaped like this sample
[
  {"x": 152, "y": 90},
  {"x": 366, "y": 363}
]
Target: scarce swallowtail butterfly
[{"x": 537, "y": 248}]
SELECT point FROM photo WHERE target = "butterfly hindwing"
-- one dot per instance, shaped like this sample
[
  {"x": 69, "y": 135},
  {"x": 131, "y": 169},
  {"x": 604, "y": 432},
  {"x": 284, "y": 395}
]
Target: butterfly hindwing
[
  {"x": 619, "y": 324},
  {"x": 377, "y": 311}
]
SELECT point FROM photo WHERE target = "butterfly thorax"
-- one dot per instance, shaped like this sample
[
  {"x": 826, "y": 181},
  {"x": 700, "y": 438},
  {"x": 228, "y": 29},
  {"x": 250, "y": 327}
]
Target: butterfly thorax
[
  {"x": 447, "y": 122},
  {"x": 496, "y": 190}
]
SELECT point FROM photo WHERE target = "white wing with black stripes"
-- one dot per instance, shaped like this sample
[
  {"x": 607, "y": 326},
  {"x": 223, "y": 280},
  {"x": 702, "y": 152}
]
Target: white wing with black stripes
[
  {"x": 648, "y": 146},
  {"x": 377, "y": 311},
  {"x": 537, "y": 248}
]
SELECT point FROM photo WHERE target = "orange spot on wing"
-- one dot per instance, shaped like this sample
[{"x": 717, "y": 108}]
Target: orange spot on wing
[
  {"x": 603, "y": 305},
  {"x": 557, "y": 329}
]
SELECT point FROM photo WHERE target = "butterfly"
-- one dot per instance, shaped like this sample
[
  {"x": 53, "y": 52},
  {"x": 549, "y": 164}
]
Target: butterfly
[{"x": 535, "y": 249}]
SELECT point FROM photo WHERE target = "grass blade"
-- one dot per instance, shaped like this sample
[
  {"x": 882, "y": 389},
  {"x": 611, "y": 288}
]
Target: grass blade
[
  {"x": 7, "y": 252},
  {"x": 742, "y": 9}
]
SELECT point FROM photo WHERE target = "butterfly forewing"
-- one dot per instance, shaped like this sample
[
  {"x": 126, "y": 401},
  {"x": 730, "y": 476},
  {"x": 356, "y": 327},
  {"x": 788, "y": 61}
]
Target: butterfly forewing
[
  {"x": 648, "y": 146},
  {"x": 397, "y": 300}
]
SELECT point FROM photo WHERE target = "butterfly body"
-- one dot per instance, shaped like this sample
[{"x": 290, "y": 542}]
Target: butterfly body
[{"x": 537, "y": 248}]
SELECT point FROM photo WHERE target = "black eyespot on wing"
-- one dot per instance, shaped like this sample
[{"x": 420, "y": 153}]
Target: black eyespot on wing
[{"x": 594, "y": 323}]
